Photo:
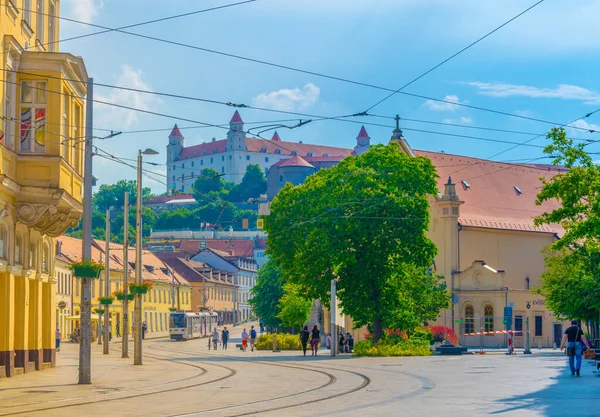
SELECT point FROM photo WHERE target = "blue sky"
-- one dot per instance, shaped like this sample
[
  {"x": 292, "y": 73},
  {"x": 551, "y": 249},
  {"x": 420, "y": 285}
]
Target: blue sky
[{"x": 542, "y": 65}]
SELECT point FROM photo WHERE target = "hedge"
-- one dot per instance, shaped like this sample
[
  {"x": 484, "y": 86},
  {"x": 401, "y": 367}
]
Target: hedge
[
  {"x": 284, "y": 341},
  {"x": 410, "y": 347}
]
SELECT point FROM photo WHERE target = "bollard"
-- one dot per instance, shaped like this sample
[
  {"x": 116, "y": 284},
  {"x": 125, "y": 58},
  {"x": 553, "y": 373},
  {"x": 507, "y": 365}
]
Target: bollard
[{"x": 275, "y": 343}]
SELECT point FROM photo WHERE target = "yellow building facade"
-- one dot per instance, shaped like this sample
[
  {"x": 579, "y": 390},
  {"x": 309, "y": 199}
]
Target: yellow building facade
[
  {"x": 41, "y": 167},
  {"x": 169, "y": 288}
]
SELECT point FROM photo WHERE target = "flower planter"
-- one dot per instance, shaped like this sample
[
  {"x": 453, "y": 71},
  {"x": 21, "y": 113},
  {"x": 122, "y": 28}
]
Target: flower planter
[
  {"x": 86, "y": 272},
  {"x": 121, "y": 297},
  {"x": 106, "y": 302}
]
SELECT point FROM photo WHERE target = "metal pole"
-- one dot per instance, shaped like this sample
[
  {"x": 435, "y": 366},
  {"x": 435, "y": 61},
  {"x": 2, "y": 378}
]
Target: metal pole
[
  {"x": 137, "y": 357},
  {"x": 85, "y": 330},
  {"x": 527, "y": 350},
  {"x": 125, "y": 323},
  {"x": 332, "y": 325},
  {"x": 107, "y": 328}
]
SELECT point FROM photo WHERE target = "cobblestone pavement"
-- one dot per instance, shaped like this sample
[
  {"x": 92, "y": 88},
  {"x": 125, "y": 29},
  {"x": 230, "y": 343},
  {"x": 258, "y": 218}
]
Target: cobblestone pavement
[{"x": 185, "y": 379}]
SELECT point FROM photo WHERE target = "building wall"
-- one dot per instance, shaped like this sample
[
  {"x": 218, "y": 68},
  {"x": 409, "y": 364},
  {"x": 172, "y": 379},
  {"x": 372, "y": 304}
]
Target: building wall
[
  {"x": 277, "y": 177},
  {"x": 64, "y": 300},
  {"x": 41, "y": 185}
]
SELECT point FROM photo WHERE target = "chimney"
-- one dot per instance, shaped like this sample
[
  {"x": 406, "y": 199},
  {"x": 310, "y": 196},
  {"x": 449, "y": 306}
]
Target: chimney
[{"x": 450, "y": 191}]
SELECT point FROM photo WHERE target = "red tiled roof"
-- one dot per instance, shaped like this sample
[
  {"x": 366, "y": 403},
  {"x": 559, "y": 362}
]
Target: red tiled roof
[
  {"x": 286, "y": 148},
  {"x": 175, "y": 131},
  {"x": 294, "y": 161},
  {"x": 276, "y": 137},
  {"x": 236, "y": 118},
  {"x": 491, "y": 200},
  {"x": 218, "y": 146}
]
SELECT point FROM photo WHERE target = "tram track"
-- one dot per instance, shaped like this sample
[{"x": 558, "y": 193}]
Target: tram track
[
  {"x": 232, "y": 372},
  {"x": 365, "y": 382}
]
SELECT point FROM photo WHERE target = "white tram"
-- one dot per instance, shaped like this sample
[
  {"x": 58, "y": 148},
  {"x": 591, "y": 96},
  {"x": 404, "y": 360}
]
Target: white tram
[{"x": 185, "y": 325}]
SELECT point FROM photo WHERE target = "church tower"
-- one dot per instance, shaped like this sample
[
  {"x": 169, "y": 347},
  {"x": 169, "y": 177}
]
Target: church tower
[
  {"x": 363, "y": 141},
  {"x": 236, "y": 137}
]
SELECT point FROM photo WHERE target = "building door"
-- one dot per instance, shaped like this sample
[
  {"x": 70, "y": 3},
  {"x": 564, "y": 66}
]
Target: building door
[{"x": 557, "y": 333}]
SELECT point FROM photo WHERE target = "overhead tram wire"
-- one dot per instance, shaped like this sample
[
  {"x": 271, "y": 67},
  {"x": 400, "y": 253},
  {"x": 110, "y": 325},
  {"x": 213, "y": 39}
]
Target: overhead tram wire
[
  {"x": 107, "y": 30},
  {"x": 453, "y": 56},
  {"x": 121, "y": 106},
  {"x": 312, "y": 116},
  {"x": 316, "y": 74},
  {"x": 526, "y": 143}
]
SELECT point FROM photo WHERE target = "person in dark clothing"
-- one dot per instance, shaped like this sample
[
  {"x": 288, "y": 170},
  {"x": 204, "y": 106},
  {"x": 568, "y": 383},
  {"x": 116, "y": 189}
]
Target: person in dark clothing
[
  {"x": 118, "y": 329},
  {"x": 572, "y": 338},
  {"x": 315, "y": 338},
  {"x": 224, "y": 337},
  {"x": 350, "y": 343},
  {"x": 304, "y": 335},
  {"x": 342, "y": 341}
]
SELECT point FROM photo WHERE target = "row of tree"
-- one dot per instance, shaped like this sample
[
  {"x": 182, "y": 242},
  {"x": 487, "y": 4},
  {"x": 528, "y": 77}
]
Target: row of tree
[
  {"x": 363, "y": 223},
  {"x": 215, "y": 198},
  {"x": 571, "y": 281}
]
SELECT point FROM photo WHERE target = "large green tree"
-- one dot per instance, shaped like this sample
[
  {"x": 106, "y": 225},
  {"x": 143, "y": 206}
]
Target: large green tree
[
  {"x": 364, "y": 223},
  {"x": 266, "y": 294},
  {"x": 112, "y": 195},
  {"x": 253, "y": 184},
  {"x": 294, "y": 306},
  {"x": 572, "y": 278}
]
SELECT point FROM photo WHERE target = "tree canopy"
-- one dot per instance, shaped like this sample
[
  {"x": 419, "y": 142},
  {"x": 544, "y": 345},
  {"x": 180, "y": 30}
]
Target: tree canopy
[
  {"x": 112, "y": 195},
  {"x": 266, "y": 294},
  {"x": 364, "y": 223},
  {"x": 294, "y": 307},
  {"x": 209, "y": 183}
]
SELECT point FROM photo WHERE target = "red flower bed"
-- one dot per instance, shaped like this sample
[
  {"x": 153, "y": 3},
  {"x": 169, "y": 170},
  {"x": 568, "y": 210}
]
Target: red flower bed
[{"x": 440, "y": 331}]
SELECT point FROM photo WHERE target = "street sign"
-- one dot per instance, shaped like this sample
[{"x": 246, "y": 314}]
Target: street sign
[
  {"x": 511, "y": 304},
  {"x": 62, "y": 305},
  {"x": 260, "y": 223}
]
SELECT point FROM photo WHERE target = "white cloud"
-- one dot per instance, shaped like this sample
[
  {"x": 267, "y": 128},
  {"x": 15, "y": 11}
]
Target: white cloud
[
  {"x": 289, "y": 99},
  {"x": 463, "y": 120},
  {"x": 562, "y": 91},
  {"x": 582, "y": 124},
  {"x": 84, "y": 10},
  {"x": 115, "y": 117},
  {"x": 443, "y": 106}
]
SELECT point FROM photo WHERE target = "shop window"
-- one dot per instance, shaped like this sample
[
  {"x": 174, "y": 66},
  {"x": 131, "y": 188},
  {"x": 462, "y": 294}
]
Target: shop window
[
  {"x": 469, "y": 319},
  {"x": 518, "y": 323},
  {"x": 488, "y": 318}
]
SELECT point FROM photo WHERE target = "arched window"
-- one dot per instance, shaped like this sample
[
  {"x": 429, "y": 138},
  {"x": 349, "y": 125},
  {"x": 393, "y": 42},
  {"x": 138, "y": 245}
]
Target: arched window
[
  {"x": 469, "y": 319},
  {"x": 488, "y": 313},
  {"x": 3, "y": 242}
]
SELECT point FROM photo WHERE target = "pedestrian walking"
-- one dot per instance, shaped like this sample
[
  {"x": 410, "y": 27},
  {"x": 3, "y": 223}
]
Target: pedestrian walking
[
  {"x": 252, "y": 338},
  {"x": 244, "y": 339},
  {"x": 328, "y": 341},
  {"x": 118, "y": 329},
  {"x": 572, "y": 338},
  {"x": 262, "y": 327},
  {"x": 215, "y": 339},
  {"x": 224, "y": 337},
  {"x": 58, "y": 337},
  {"x": 342, "y": 341},
  {"x": 304, "y": 336},
  {"x": 315, "y": 338},
  {"x": 144, "y": 330}
]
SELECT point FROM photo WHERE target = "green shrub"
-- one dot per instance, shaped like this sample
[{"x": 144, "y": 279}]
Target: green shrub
[
  {"x": 423, "y": 333},
  {"x": 284, "y": 341},
  {"x": 410, "y": 347}
]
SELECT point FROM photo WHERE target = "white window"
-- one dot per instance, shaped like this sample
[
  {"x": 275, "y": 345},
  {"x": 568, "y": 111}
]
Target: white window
[
  {"x": 52, "y": 27},
  {"x": 40, "y": 21},
  {"x": 33, "y": 116},
  {"x": 27, "y": 11}
]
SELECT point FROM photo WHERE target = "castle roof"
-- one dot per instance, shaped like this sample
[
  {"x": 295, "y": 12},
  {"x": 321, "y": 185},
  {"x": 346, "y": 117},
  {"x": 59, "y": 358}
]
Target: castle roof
[
  {"x": 176, "y": 131},
  {"x": 276, "y": 137},
  {"x": 294, "y": 161},
  {"x": 236, "y": 118},
  {"x": 363, "y": 133},
  {"x": 198, "y": 150}
]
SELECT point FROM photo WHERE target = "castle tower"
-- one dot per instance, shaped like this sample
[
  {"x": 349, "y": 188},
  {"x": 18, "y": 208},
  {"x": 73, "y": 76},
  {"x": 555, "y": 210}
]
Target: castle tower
[
  {"x": 363, "y": 141},
  {"x": 175, "y": 145},
  {"x": 236, "y": 137}
]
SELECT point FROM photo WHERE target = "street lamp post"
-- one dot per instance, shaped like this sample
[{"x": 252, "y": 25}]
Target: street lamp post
[{"x": 137, "y": 357}]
